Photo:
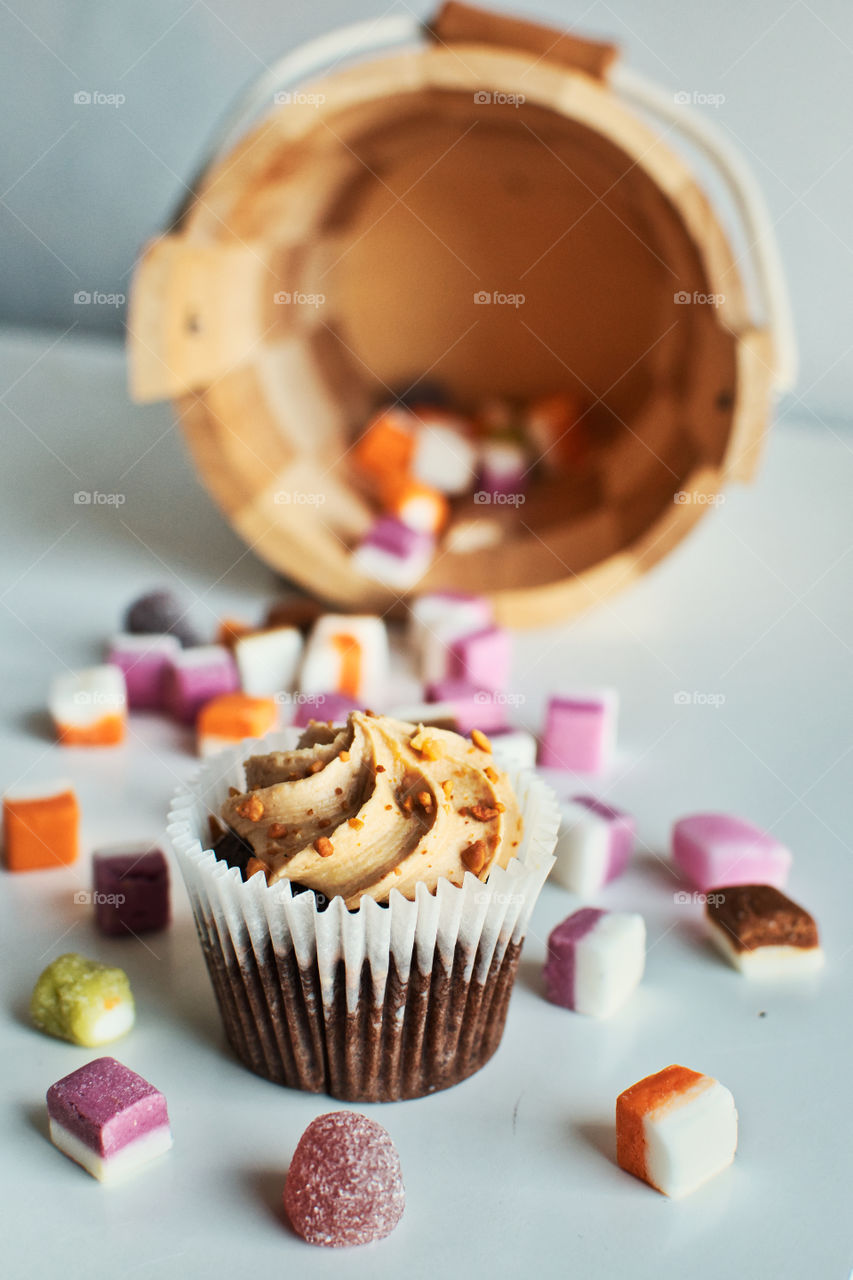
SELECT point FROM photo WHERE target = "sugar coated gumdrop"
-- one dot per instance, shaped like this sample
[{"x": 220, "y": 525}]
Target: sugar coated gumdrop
[
  {"x": 160, "y": 613},
  {"x": 344, "y": 1185}
]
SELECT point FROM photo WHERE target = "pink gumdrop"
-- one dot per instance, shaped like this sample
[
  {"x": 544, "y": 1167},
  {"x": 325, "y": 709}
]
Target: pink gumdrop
[{"x": 344, "y": 1185}]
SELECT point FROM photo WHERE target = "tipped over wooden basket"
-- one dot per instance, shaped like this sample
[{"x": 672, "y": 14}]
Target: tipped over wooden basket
[{"x": 340, "y": 249}]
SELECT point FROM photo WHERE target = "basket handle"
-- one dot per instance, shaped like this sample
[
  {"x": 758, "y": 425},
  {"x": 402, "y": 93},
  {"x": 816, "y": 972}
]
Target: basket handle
[
  {"x": 457, "y": 23},
  {"x": 749, "y": 201}
]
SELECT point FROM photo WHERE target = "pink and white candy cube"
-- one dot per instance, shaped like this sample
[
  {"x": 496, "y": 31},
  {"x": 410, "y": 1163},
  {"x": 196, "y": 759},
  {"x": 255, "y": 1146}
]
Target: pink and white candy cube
[
  {"x": 595, "y": 960},
  {"x": 594, "y": 845},
  {"x": 580, "y": 732},
  {"x": 144, "y": 660},
  {"x": 714, "y": 849}
]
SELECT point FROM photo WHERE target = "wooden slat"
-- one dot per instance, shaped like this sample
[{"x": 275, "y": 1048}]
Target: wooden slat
[{"x": 194, "y": 314}]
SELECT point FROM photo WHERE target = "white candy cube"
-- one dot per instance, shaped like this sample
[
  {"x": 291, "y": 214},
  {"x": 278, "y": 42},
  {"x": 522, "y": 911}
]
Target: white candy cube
[
  {"x": 443, "y": 458},
  {"x": 268, "y": 661}
]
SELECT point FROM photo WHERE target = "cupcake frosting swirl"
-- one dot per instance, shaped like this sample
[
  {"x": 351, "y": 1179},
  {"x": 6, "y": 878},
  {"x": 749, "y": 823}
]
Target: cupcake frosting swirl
[{"x": 376, "y": 805}]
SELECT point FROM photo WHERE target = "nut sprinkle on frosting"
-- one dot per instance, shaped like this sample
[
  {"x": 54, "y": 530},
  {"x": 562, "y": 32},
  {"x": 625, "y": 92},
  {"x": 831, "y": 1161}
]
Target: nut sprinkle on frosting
[{"x": 370, "y": 794}]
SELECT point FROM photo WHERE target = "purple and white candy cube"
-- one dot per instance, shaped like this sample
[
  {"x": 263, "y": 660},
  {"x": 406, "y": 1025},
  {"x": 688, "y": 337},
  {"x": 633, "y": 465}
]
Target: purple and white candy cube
[
  {"x": 394, "y": 553},
  {"x": 108, "y": 1119},
  {"x": 197, "y": 675},
  {"x": 595, "y": 960},
  {"x": 144, "y": 660}
]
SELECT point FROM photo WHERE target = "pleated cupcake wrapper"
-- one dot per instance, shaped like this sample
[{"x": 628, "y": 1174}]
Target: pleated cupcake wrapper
[{"x": 376, "y": 1003}]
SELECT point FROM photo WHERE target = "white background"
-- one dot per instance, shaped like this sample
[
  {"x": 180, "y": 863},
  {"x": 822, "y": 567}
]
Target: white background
[{"x": 512, "y": 1172}]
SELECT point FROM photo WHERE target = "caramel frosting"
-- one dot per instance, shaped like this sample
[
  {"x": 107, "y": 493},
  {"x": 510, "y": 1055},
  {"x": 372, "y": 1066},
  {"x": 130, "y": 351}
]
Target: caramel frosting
[{"x": 376, "y": 805}]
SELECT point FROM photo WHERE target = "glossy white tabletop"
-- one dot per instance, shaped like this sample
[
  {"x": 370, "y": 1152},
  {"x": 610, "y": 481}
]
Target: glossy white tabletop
[{"x": 733, "y": 662}]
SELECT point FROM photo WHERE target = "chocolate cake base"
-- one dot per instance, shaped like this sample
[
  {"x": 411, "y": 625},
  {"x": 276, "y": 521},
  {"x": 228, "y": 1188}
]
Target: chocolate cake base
[{"x": 431, "y": 1030}]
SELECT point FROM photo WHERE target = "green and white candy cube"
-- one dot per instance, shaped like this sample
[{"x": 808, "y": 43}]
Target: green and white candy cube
[{"x": 83, "y": 1001}]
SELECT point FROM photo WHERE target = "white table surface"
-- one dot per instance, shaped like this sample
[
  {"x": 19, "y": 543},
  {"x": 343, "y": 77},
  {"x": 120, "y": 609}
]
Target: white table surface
[{"x": 511, "y": 1173}]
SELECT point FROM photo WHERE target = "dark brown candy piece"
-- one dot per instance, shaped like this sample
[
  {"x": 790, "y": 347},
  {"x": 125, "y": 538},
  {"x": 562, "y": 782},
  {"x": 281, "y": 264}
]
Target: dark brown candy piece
[{"x": 757, "y": 915}]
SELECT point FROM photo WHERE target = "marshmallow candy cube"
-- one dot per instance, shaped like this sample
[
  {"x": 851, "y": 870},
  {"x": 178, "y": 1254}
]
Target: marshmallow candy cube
[
  {"x": 676, "y": 1129},
  {"x": 89, "y": 708},
  {"x": 443, "y": 458},
  {"x": 346, "y": 654},
  {"x": 482, "y": 657},
  {"x": 131, "y": 890},
  {"x": 580, "y": 732},
  {"x": 195, "y": 676},
  {"x": 143, "y": 661},
  {"x": 108, "y": 1119},
  {"x": 594, "y": 845},
  {"x": 230, "y": 718},
  {"x": 714, "y": 849},
  {"x": 82, "y": 1001},
  {"x": 268, "y": 661},
  {"x": 436, "y": 620},
  {"x": 394, "y": 553},
  {"x": 40, "y": 827},
  {"x": 383, "y": 452},
  {"x": 416, "y": 505},
  {"x": 503, "y": 468},
  {"x": 595, "y": 961},
  {"x": 762, "y": 932}
]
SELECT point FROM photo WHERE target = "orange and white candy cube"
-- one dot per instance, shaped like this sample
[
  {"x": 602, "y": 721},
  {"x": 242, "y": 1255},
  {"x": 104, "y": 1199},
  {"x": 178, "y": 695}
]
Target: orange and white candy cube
[
  {"x": 89, "y": 707},
  {"x": 417, "y": 505},
  {"x": 347, "y": 655},
  {"x": 231, "y": 717},
  {"x": 676, "y": 1129},
  {"x": 384, "y": 449},
  {"x": 40, "y": 827}
]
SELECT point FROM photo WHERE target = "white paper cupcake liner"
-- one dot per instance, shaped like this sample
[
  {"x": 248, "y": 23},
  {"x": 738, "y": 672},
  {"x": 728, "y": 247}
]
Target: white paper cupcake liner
[{"x": 378, "y": 1003}]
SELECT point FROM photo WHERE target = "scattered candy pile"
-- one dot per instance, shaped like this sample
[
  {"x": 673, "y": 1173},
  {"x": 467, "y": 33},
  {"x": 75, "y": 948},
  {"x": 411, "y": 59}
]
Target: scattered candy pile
[
  {"x": 675, "y": 1129},
  {"x": 302, "y": 664},
  {"x": 411, "y": 460}
]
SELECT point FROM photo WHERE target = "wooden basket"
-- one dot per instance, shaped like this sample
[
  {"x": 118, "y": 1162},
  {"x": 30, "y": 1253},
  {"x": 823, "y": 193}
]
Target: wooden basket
[{"x": 334, "y": 254}]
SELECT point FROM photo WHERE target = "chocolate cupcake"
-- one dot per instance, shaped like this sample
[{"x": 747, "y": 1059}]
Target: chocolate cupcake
[{"x": 363, "y": 916}]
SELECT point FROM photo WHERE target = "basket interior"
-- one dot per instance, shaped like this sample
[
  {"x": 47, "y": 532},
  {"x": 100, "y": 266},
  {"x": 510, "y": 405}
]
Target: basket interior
[{"x": 383, "y": 222}]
